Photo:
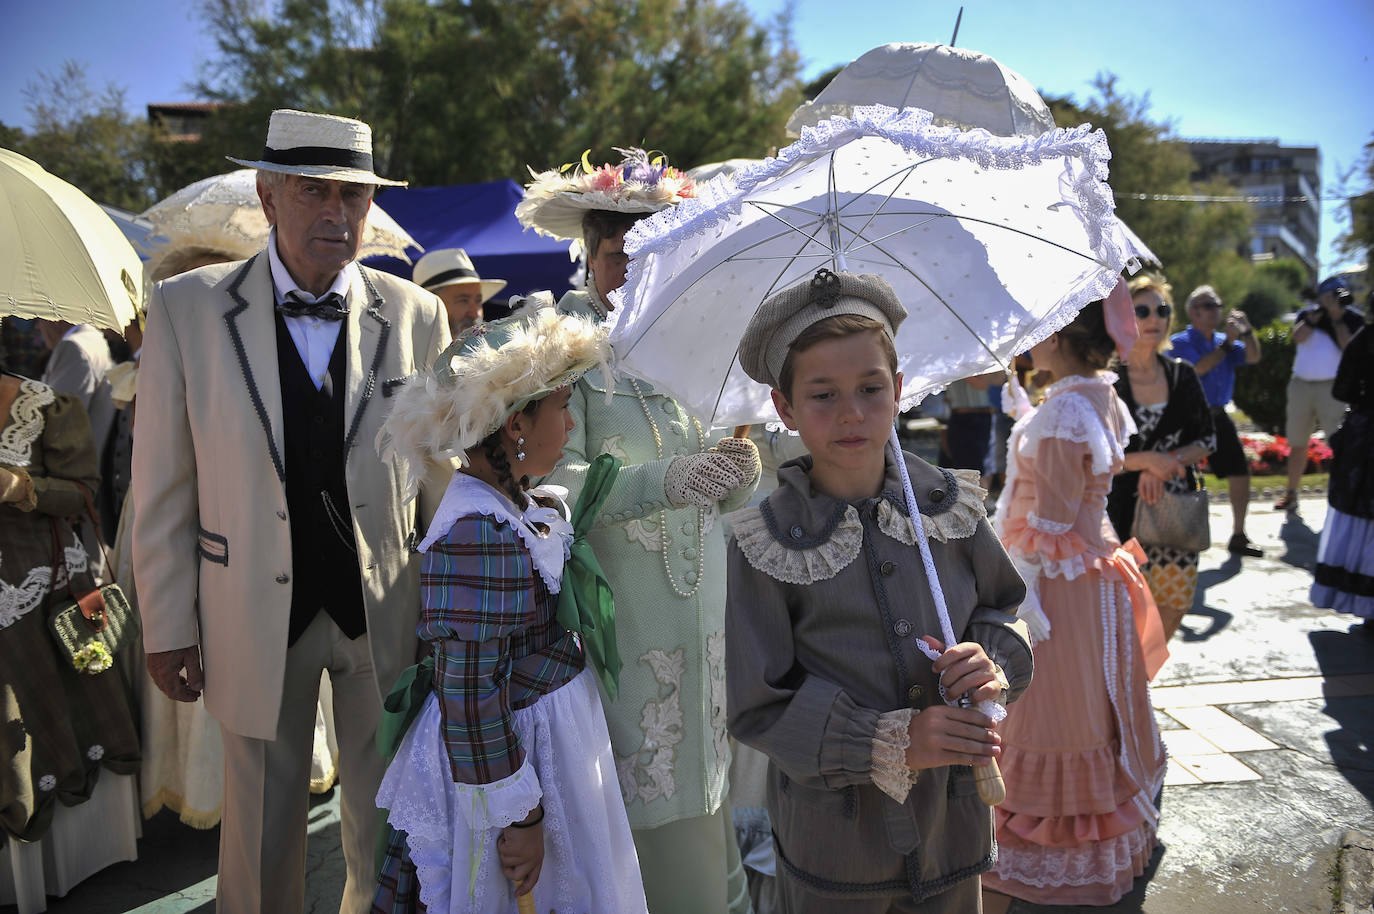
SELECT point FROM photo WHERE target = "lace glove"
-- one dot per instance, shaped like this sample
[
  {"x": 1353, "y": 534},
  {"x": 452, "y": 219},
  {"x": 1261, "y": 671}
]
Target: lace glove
[
  {"x": 745, "y": 455},
  {"x": 16, "y": 488},
  {"x": 701, "y": 479},
  {"x": 1030, "y": 612}
]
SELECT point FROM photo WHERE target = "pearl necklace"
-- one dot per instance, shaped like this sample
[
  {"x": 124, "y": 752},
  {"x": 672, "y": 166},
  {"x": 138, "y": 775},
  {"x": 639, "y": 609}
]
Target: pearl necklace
[{"x": 664, "y": 540}]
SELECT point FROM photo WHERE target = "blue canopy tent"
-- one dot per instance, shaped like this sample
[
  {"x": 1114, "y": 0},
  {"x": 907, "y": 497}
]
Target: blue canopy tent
[{"x": 480, "y": 218}]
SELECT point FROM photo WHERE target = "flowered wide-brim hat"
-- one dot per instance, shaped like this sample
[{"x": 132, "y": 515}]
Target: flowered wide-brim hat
[
  {"x": 557, "y": 199},
  {"x": 486, "y": 374}
]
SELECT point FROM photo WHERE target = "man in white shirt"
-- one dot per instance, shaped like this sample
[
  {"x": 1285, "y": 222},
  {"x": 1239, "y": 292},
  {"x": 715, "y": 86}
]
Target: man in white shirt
[
  {"x": 1321, "y": 334},
  {"x": 270, "y": 542}
]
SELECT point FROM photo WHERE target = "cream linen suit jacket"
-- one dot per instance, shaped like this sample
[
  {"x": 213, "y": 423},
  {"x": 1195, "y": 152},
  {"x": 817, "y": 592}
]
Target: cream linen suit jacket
[{"x": 211, "y": 538}]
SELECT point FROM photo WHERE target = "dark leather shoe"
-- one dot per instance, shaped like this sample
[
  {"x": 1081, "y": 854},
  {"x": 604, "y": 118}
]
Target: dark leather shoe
[{"x": 1240, "y": 545}]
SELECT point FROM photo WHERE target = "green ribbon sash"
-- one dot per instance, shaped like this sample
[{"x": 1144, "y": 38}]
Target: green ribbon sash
[{"x": 585, "y": 604}]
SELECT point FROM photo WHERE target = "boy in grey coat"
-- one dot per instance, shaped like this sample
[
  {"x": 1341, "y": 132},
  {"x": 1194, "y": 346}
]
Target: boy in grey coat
[{"x": 871, "y": 786}]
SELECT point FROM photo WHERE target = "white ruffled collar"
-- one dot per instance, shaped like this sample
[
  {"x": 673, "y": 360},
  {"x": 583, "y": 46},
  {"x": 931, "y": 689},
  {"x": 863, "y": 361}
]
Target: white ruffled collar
[{"x": 467, "y": 495}]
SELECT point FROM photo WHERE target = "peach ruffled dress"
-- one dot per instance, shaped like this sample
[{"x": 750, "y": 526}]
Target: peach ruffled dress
[{"x": 1082, "y": 756}]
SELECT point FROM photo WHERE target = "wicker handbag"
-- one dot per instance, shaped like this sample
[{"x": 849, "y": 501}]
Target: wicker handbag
[
  {"x": 91, "y": 629},
  {"x": 1179, "y": 520}
]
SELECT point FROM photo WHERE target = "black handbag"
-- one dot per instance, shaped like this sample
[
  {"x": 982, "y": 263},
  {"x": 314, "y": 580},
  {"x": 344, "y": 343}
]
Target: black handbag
[
  {"x": 1179, "y": 520},
  {"x": 90, "y": 629}
]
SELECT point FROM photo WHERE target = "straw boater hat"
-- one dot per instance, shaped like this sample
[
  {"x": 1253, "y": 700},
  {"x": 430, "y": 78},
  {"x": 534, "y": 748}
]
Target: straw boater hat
[
  {"x": 489, "y": 372},
  {"x": 318, "y": 146},
  {"x": 451, "y": 267},
  {"x": 556, "y": 200}
]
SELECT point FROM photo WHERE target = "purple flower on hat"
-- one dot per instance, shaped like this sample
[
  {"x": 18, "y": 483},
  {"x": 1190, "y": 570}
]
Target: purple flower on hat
[{"x": 643, "y": 173}]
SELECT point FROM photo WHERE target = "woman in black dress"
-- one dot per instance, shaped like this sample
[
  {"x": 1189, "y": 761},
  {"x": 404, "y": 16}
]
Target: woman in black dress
[{"x": 1170, "y": 410}]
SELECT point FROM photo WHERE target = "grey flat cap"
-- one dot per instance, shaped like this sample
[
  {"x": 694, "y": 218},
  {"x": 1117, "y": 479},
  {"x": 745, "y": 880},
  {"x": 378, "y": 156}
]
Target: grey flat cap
[{"x": 782, "y": 318}]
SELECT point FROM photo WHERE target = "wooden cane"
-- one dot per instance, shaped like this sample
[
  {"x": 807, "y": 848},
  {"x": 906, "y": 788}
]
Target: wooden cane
[
  {"x": 525, "y": 903},
  {"x": 992, "y": 790}
]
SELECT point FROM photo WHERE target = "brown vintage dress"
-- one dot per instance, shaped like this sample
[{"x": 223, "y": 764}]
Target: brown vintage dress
[{"x": 61, "y": 727}]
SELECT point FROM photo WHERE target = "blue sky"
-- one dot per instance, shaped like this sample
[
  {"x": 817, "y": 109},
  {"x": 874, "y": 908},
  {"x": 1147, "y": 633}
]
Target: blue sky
[{"x": 1297, "y": 71}]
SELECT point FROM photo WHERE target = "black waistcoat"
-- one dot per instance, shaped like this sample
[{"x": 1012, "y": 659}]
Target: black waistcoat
[{"x": 325, "y": 571}]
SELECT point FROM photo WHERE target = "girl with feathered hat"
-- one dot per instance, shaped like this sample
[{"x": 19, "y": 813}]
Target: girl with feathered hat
[{"x": 500, "y": 783}]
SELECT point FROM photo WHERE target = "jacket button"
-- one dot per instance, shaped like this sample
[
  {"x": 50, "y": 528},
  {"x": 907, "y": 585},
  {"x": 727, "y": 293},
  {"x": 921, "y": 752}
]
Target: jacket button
[
  {"x": 282, "y": 579},
  {"x": 888, "y": 567},
  {"x": 797, "y": 532},
  {"x": 281, "y": 514},
  {"x": 937, "y": 495},
  {"x": 915, "y": 694},
  {"x": 903, "y": 628}
]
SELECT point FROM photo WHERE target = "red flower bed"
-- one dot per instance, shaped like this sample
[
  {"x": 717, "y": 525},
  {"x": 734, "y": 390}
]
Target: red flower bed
[{"x": 1268, "y": 454}]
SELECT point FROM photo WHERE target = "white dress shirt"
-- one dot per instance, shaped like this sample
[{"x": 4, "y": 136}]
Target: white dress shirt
[{"x": 314, "y": 337}]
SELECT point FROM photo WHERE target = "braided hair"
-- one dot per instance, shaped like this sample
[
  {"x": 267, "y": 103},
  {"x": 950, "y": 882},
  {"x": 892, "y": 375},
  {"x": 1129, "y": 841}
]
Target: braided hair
[{"x": 500, "y": 463}]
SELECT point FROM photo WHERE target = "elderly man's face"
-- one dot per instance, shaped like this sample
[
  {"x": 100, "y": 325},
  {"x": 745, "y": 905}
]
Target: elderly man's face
[
  {"x": 1205, "y": 313},
  {"x": 463, "y": 302},
  {"x": 319, "y": 225}
]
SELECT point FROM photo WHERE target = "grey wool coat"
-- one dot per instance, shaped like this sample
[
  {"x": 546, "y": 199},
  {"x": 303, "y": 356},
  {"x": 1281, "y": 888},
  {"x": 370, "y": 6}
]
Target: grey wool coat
[{"x": 826, "y": 599}]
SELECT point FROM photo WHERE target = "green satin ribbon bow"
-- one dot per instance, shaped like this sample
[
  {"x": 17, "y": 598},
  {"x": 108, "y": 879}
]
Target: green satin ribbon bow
[{"x": 585, "y": 605}]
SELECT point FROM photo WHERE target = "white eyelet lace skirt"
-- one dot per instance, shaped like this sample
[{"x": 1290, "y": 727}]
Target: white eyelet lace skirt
[{"x": 590, "y": 866}]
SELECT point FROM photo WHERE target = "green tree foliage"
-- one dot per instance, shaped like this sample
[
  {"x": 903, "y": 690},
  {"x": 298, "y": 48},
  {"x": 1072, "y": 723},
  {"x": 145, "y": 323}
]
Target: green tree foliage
[
  {"x": 1358, "y": 238},
  {"x": 86, "y": 137},
  {"x": 477, "y": 90},
  {"x": 1194, "y": 241},
  {"x": 1261, "y": 389}
]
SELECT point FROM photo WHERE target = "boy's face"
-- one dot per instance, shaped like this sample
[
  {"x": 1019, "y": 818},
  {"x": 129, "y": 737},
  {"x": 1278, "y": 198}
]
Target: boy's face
[{"x": 843, "y": 401}]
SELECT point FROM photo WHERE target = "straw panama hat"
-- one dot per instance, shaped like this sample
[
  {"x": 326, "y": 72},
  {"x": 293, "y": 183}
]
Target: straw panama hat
[
  {"x": 318, "y": 146},
  {"x": 451, "y": 267}
]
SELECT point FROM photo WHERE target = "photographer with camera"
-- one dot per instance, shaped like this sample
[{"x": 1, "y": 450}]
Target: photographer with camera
[
  {"x": 1216, "y": 354},
  {"x": 1321, "y": 333}
]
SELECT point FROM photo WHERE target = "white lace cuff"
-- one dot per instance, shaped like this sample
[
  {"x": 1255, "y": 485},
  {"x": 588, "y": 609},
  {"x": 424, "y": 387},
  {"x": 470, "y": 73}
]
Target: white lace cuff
[
  {"x": 1047, "y": 526},
  {"x": 890, "y": 742},
  {"x": 499, "y": 803}
]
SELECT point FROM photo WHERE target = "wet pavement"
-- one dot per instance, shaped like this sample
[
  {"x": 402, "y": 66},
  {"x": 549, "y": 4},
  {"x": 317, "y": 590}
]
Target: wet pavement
[{"x": 1268, "y": 710}]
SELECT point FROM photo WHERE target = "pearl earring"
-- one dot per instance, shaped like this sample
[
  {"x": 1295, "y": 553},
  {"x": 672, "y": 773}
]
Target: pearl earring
[{"x": 520, "y": 448}]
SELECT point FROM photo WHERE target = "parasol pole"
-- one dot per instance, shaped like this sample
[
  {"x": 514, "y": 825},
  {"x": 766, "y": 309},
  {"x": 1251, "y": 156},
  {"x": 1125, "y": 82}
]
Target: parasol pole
[
  {"x": 524, "y": 904},
  {"x": 987, "y": 778}
]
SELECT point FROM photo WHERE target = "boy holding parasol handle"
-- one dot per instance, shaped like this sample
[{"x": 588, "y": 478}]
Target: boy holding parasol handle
[{"x": 872, "y": 788}]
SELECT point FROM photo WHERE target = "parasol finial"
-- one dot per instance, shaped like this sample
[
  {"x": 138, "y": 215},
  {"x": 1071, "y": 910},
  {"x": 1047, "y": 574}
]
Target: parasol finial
[{"x": 957, "y": 19}]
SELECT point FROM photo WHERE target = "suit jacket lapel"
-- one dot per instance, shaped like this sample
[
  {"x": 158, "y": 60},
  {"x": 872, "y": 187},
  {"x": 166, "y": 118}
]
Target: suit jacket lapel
[
  {"x": 253, "y": 333},
  {"x": 371, "y": 329}
]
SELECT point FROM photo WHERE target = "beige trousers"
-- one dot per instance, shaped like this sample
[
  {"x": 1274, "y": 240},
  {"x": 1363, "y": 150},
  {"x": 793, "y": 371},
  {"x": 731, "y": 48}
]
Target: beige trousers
[
  {"x": 692, "y": 866},
  {"x": 262, "y": 844}
]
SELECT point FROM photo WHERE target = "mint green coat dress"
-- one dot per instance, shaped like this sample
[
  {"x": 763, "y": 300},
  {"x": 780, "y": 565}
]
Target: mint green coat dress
[{"x": 668, "y": 723}]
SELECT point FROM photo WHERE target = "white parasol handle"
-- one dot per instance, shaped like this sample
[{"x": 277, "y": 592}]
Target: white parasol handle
[
  {"x": 936, "y": 591},
  {"x": 988, "y": 778}
]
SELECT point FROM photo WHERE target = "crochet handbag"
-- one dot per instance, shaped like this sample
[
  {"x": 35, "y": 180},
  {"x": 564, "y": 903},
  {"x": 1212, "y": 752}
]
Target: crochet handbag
[
  {"x": 1179, "y": 520},
  {"x": 91, "y": 629}
]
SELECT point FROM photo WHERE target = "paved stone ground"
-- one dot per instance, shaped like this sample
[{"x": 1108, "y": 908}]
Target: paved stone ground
[{"x": 1268, "y": 708}]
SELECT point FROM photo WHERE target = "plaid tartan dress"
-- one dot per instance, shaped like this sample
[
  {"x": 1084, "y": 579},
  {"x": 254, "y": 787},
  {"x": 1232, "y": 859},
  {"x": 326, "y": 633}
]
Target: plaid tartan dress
[{"x": 489, "y": 616}]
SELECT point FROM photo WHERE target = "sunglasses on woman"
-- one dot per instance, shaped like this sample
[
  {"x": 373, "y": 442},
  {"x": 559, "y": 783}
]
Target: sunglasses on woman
[{"x": 1143, "y": 311}]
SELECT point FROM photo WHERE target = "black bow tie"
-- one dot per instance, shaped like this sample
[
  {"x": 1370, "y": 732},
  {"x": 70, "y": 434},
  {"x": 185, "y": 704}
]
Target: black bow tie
[{"x": 329, "y": 308}]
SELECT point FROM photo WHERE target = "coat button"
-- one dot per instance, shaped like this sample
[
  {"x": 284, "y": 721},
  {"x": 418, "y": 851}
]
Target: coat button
[
  {"x": 937, "y": 495},
  {"x": 690, "y": 577},
  {"x": 668, "y": 406},
  {"x": 903, "y": 628},
  {"x": 888, "y": 567},
  {"x": 915, "y": 694},
  {"x": 688, "y": 528},
  {"x": 282, "y": 579},
  {"x": 797, "y": 532}
]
